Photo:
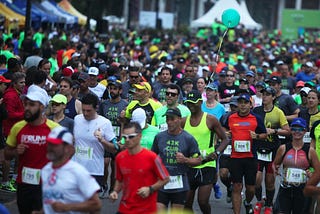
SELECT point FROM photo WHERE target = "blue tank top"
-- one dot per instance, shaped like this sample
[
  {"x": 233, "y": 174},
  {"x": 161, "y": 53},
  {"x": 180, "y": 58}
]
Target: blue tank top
[{"x": 70, "y": 110}]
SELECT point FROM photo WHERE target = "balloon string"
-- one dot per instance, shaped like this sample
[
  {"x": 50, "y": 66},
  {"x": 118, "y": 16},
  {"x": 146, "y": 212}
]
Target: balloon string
[{"x": 218, "y": 53}]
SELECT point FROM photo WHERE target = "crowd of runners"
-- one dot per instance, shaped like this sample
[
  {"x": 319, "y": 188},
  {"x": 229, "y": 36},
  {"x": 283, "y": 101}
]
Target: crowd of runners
[{"x": 160, "y": 117}]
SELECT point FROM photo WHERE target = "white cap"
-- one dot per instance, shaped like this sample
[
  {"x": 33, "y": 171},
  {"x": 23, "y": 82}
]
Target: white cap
[
  {"x": 75, "y": 54},
  {"x": 93, "y": 71},
  {"x": 139, "y": 116},
  {"x": 305, "y": 89},
  {"x": 38, "y": 94},
  {"x": 60, "y": 134},
  {"x": 309, "y": 64},
  {"x": 206, "y": 68},
  {"x": 280, "y": 62},
  {"x": 266, "y": 64}
]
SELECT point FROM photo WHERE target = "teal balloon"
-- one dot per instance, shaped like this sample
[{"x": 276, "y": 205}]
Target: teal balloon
[{"x": 230, "y": 18}]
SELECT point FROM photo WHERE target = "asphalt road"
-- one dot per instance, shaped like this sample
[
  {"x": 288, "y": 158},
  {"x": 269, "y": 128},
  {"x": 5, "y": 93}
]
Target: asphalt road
[{"x": 218, "y": 206}]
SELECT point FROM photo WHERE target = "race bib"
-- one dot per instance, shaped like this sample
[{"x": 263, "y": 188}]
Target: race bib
[
  {"x": 242, "y": 146},
  {"x": 307, "y": 138},
  {"x": 294, "y": 175},
  {"x": 84, "y": 152},
  {"x": 265, "y": 157},
  {"x": 175, "y": 182},
  {"x": 228, "y": 150},
  {"x": 31, "y": 176},
  {"x": 163, "y": 127},
  {"x": 285, "y": 91},
  {"x": 116, "y": 130}
]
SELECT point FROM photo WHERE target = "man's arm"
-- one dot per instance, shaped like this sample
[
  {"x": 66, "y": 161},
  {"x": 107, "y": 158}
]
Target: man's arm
[
  {"x": 294, "y": 115},
  {"x": 145, "y": 192},
  {"x": 93, "y": 204},
  {"x": 11, "y": 152},
  {"x": 117, "y": 188},
  {"x": 78, "y": 106}
]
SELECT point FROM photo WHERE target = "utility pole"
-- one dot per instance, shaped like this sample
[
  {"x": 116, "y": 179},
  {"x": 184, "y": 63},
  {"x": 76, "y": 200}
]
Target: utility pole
[{"x": 27, "y": 24}]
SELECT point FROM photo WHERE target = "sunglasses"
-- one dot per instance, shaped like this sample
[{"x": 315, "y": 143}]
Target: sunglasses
[
  {"x": 171, "y": 94},
  {"x": 56, "y": 104},
  {"x": 129, "y": 136},
  {"x": 297, "y": 129},
  {"x": 229, "y": 75},
  {"x": 134, "y": 77}
]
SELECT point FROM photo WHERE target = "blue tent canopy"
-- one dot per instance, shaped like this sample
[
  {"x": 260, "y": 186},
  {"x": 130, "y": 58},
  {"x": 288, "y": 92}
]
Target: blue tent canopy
[{"x": 34, "y": 16}]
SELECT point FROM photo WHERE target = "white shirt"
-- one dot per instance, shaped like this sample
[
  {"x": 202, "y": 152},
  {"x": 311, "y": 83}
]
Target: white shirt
[
  {"x": 98, "y": 90},
  {"x": 71, "y": 183},
  {"x": 89, "y": 152}
]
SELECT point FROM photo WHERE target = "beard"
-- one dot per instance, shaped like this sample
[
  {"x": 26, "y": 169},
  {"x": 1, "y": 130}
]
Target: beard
[
  {"x": 29, "y": 117},
  {"x": 114, "y": 96}
]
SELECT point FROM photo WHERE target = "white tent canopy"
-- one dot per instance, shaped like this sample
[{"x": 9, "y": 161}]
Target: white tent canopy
[{"x": 216, "y": 11}]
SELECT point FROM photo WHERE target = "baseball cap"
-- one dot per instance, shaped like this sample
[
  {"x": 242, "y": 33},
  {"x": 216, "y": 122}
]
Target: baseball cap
[
  {"x": 181, "y": 60},
  {"x": 173, "y": 112},
  {"x": 206, "y": 68},
  {"x": 243, "y": 80},
  {"x": 39, "y": 95},
  {"x": 261, "y": 84},
  {"x": 103, "y": 67},
  {"x": 139, "y": 116},
  {"x": 305, "y": 90},
  {"x": 245, "y": 97},
  {"x": 83, "y": 76},
  {"x": 59, "y": 98},
  {"x": 269, "y": 90},
  {"x": 59, "y": 135},
  {"x": 275, "y": 79},
  {"x": 299, "y": 122},
  {"x": 300, "y": 83},
  {"x": 93, "y": 71},
  {"x": 75, "y": 54},
  {"x": 279, "y": 62},
  {"x": 310, "y": 84},
  {"x": 143, "y": 85},
  {"x": 193, "y": 96},
  {"x": 223, "y": 73},
  {"x": 187, "y": 79},
  {"x": 4, "y": 80},
  {"x": 212, "y": 86},
  {"x": 67, "y": 71},
  {"x": 112, "y": 80},
  {"x": 234, "y": 100},
  {"x": 250, "y": 73},
  {"x": 309, "y": 64},
  {"x": 240, "y": 57},
  {"x": 265, "y": 64}
]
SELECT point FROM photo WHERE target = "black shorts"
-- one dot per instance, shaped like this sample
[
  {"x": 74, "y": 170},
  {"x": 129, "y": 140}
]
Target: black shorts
[
  {"x": 246, "y": 167},
  {"x": 201, "y": 177},
  {"x": 29, "y": 198},
  {"x": 109, "y": 155},
  {"x": 224, "y": 161},
  {"x": 291, "y": 199},
  {"x": 173, "y": 197}
]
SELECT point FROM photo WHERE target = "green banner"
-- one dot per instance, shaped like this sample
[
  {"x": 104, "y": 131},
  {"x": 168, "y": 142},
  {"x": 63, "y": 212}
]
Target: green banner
[{"x": 295, "y": 22}]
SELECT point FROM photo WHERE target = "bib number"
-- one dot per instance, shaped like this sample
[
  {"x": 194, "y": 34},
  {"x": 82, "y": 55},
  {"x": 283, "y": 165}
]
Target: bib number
[
  {"x": 265, "y": 157},
  {"x": 293, "y": 175},
  {"x": 175, "y": 182},
  {"x": 163, "y": 127},
  {"x": 116, "y": 130},
  {"x": 31, "y": 176},
  {"x": 228, "y": 150},
  {"x": 84, "y": 152},
  {"x": 307, "y": 138},
  {"x": 242, "y": 146}
]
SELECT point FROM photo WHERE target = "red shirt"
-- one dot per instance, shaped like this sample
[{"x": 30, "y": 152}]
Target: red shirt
[
  {"x": 136, "y": 171},
  {"x": 240, "y": 128},
  {"x": 35, "y": 138}
]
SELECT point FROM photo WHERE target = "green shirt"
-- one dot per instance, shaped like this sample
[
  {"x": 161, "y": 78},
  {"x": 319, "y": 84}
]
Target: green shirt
[
  {"x": 38, "y": 37},
  {"x": 148, "y": 136},
  {"x": 54, "y": 66},
  {"x": 160, "y": 121}
]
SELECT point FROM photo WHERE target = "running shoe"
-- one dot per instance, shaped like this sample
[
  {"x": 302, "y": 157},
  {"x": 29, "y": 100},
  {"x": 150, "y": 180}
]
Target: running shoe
[
  {"x": 8, "y": 187},
  {"x": 257, "y": 208},
  {"x": 248, "y": 207},
  {"x": 217, "y": 191},
  {"x": 267, "y": 210}
]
